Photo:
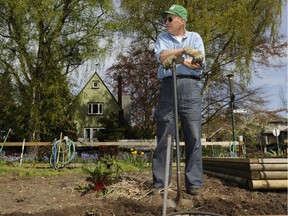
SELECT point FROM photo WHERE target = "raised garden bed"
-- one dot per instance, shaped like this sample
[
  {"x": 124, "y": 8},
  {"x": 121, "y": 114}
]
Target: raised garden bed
[{"x": 254, "y": 173}]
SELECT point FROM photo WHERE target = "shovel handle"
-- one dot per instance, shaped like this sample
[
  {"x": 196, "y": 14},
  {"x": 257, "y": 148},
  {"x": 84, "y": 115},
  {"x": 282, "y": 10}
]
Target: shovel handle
[{"x": 176, "y": 130}]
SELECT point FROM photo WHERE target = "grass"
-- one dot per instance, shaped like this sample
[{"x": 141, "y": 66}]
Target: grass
[
  {"x": 15, "y": 171},
  {"x": 12, "y": 169}
]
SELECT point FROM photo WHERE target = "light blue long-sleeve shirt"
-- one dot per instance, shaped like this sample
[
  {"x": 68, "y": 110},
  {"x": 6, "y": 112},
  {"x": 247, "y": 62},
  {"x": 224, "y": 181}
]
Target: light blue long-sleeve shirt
[{"x": 166, "y": 41}]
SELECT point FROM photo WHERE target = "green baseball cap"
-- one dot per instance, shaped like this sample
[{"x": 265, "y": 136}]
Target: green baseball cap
[{"x": 176, "y": 10}]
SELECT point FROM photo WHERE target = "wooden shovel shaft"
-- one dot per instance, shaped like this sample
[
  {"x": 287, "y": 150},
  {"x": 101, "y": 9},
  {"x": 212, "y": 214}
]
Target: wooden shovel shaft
[{"x": 176, "y": 132}]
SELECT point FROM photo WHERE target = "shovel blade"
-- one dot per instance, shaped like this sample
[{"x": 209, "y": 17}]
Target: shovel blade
[{"x": 171, "y": 203}]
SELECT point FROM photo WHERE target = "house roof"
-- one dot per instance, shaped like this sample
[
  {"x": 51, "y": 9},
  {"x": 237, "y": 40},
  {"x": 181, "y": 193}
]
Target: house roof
[
  {"x": 96, "y": 74},
  {"x": 278, "y": 120},
  {"x": 281, "y": 124}
]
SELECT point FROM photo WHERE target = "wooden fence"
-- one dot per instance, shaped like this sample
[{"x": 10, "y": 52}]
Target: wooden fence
[{"x": 136, "y": 143}]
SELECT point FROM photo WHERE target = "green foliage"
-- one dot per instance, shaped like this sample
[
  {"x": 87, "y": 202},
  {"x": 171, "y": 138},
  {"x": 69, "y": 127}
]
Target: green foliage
[
  {"x": 215, "y": 151},
  {"x": 9, "y": 112},
  {"x": 116, "y": 127},
  {"x": 275, "y": 153},
  {"x": 7, "y": 169},
  {"x": 3, "y": 169},
  {"x": 135, "y": 158}
]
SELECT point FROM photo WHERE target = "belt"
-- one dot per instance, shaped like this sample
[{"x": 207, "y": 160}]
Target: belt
[{"x": 184, "y": 77}]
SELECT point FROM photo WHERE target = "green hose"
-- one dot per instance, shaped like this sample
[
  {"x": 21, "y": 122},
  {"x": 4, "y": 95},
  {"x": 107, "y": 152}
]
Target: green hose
[
  {"x": 232, "y": 147},
  {"x": 5, "y": 140},
  {"x": 66, "y": 154}
]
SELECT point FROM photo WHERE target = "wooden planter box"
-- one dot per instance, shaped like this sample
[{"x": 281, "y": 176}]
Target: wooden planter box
[{"x": 254, "y": 173}]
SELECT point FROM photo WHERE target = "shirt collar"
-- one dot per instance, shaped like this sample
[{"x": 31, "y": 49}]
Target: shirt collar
[{"x": 185, "y": 35}]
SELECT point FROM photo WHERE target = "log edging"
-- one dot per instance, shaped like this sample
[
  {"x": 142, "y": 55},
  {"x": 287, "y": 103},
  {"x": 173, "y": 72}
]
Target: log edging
[{"x": 253, "y": 173}]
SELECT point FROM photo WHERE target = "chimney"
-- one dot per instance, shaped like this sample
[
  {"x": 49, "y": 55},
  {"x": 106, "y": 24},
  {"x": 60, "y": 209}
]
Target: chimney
[{"x": 119, "y": 78}]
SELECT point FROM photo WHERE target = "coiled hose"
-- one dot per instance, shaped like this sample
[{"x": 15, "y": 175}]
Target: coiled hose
[
  {"x": 62, "y": 153},
  {"x": 232, "y": 148}
]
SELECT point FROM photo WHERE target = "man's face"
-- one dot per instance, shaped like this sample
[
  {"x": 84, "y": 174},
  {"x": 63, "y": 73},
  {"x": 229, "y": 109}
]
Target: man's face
[{"x": 174, "y": 24}]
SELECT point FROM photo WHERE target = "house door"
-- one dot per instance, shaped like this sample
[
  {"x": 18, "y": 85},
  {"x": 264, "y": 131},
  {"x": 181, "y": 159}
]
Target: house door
[
  {"x": 87, "y": 134},
  {"x": 90, "y": 134}
]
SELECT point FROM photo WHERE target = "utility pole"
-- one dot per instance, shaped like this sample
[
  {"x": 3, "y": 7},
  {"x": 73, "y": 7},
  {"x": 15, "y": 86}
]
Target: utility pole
[{"x": 232, "y": 99}]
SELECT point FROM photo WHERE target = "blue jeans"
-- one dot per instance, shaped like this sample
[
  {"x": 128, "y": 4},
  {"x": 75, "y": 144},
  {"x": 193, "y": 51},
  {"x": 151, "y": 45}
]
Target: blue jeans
[{"x": 189, "y": 108}]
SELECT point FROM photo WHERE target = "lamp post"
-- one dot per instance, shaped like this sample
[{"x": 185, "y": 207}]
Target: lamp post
[{"x": 232, "y": 99}]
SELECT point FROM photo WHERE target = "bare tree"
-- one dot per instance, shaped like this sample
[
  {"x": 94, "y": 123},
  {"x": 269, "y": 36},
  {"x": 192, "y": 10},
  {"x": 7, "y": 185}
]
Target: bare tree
[
  {"x": 283, "y": 98},
  {"x": 138, "y": 71}
]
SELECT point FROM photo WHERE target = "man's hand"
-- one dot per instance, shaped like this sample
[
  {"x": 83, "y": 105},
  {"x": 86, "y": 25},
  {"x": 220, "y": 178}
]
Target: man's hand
[
  {"x": 195, "y": 54},
  {"x": 179, "y": 60},
  {"x": 197, "y": 61},
  {"x": 167, "y": 63}
]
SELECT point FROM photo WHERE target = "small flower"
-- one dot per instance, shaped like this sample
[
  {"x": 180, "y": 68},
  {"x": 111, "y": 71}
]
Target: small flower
[{"x": 89, "y": 157}]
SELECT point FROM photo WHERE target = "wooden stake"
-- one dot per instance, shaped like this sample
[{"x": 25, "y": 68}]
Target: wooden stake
[
  {"x": 58, "y": 153},
  {"x": 21, "y": 157}
]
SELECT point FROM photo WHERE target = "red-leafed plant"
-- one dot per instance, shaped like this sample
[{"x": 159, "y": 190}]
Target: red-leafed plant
[{"x": 105, "y": 173}]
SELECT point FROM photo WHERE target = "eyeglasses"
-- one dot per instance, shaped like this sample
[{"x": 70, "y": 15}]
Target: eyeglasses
[{"x": 169, "y": 19}]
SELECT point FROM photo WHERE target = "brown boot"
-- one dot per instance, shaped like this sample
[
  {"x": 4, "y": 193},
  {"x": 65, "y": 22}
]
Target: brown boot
[{"x": 193, "y": 191}]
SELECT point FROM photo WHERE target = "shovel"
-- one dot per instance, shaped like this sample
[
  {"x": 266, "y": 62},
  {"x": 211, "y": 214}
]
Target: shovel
[
  {"x": 177, "y": 201},
  {"x": 178, "y": 197},
  {"x": 166, "y": 202}
]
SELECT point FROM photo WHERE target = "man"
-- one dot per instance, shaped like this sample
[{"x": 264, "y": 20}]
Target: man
[{"x": 178, "y": 42}]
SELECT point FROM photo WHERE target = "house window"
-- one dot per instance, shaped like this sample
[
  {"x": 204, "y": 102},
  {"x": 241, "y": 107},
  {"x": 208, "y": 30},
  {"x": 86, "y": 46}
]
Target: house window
[
  {"x": 95, "y": 84},
  {"x": 95, "y": 109}
]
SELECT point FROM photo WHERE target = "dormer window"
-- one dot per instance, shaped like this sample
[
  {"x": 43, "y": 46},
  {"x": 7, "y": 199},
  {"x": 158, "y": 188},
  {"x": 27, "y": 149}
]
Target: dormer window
[{"x": 95, "y": 84}]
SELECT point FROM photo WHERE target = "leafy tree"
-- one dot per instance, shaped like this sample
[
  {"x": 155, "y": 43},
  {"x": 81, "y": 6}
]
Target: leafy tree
[
  {"x": 8, "y": 108},
  {"x": 236, "y": 35},
  {"x": 40, "y": 43}
]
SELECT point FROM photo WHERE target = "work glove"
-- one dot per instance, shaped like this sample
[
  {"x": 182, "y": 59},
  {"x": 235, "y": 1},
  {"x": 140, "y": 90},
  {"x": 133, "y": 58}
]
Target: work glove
[
  {"x": 195, "y": 54},
  {"x": 168, "y": 63}
]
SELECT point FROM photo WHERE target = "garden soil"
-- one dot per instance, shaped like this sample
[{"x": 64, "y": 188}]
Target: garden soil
[{"x": 58, "y": 195}]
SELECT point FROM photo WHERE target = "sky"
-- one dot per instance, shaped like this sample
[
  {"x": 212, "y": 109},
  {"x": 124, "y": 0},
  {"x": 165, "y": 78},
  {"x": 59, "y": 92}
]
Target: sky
[{"x": 275, "y": 79}]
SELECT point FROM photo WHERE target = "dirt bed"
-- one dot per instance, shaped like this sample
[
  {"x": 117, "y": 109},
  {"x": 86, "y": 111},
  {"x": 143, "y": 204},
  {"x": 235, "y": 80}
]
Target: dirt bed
[{"x": 58, "y": 196}]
